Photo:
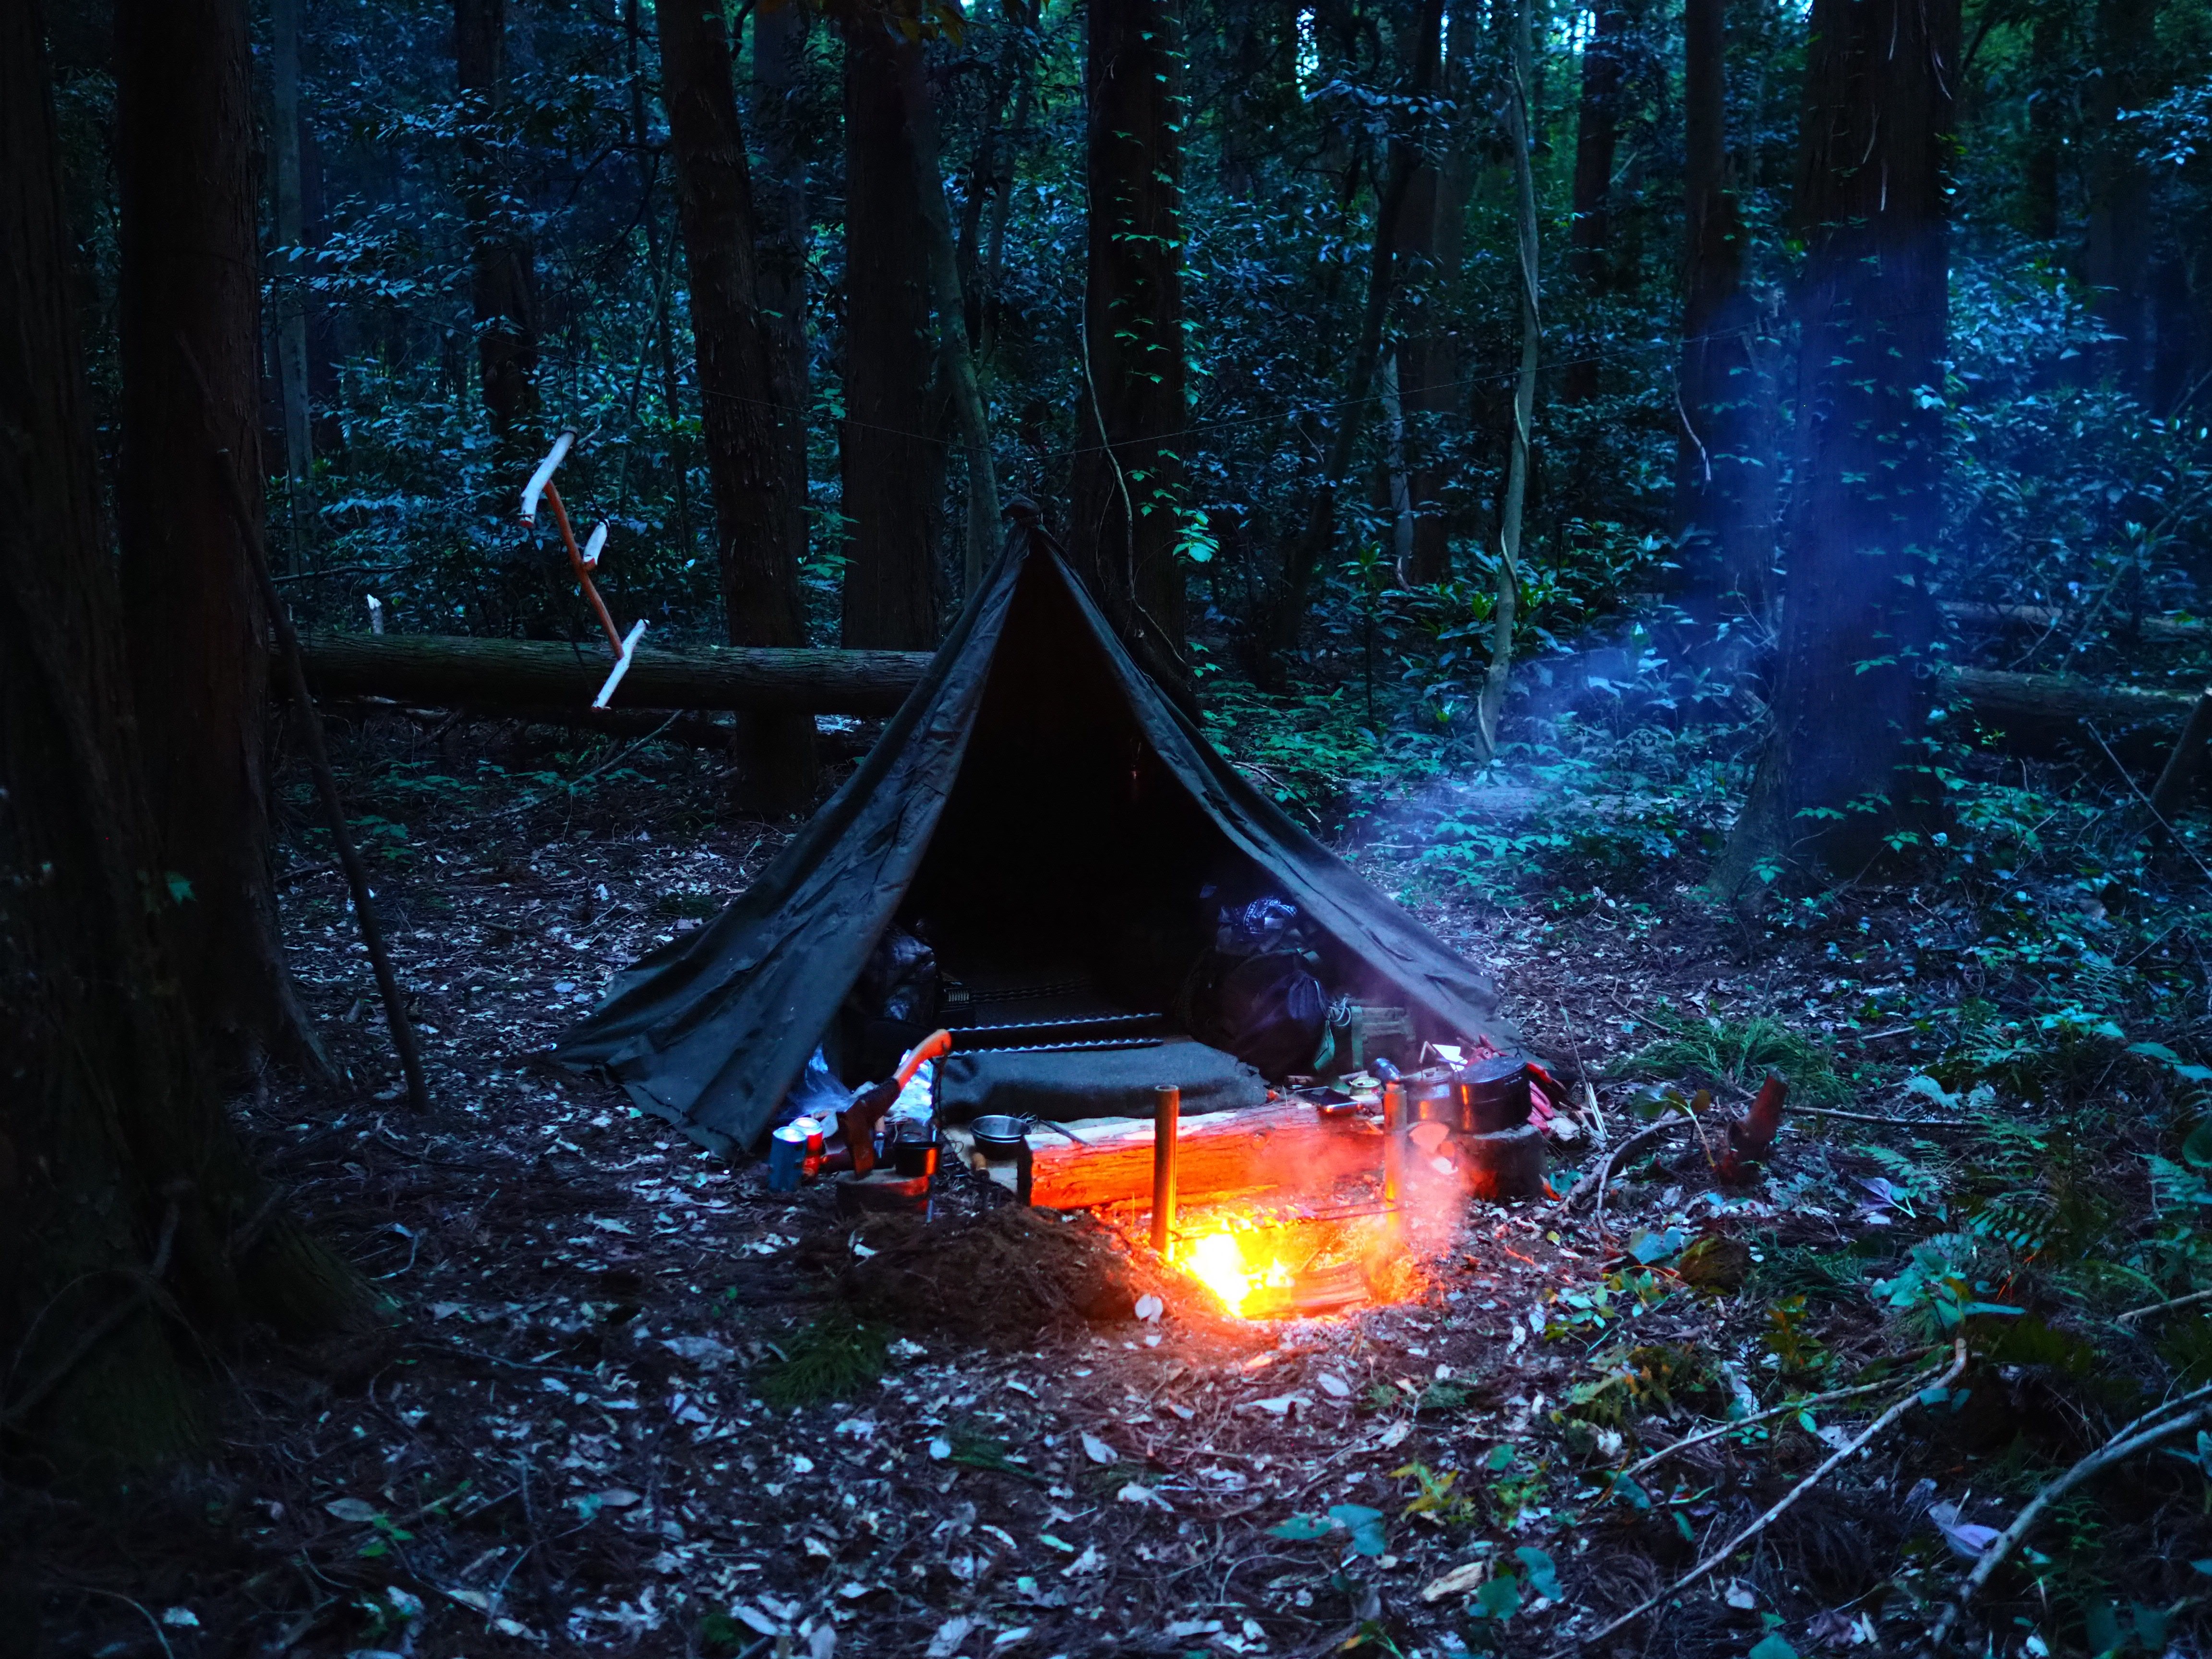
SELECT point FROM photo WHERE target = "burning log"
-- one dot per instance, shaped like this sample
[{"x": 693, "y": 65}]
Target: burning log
[{"x": 1287, "y": 1144}]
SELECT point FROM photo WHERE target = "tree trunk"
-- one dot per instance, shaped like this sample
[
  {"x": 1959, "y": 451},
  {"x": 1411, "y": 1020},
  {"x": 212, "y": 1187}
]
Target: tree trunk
[
  {"x": 663, "y": 259},
  {"x": 956, "y": 361},
  {"x": 291, "y": 321},
  {"x": 2117, "y": 251},
  {"x": 1418, "y": 557},
  {"x": 1506, "y": 603},
  {"x": 1597, "y": 141},
  {"x": 748, "y": 408},
  {"x": 189, "y": 283},
  {"x": 1724, "y": 483},
  {"x": 1125, "y": 516},
  {"x": 893, "y": 469},
  {"x": 984, "y": 302},
  {"x": 780, "y": 116},
  {"x": 116, "y": 1160},
  {"x": 1400, "y": 501},
  {"x": 2049, "y": 88},
  {"x": 1286, "y": 615},
  {"x": 1431, "y": 382},
  {"x": 502, "y": 266},
  {"x": 1857, "y": 615}
]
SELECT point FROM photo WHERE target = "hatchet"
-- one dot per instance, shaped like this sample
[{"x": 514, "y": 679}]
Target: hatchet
[{"x": 859, "y": 1120}]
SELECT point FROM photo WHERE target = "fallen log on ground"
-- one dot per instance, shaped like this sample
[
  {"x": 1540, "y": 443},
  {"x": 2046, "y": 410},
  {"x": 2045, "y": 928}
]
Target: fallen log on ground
[
  {"x": 457, "y": 672},
  {"x": 2186, "y": 630},
  {"x": 2043, "y": 706},
  {"x": 521, "y": 677},
  {"x": 692, "y": 727}
]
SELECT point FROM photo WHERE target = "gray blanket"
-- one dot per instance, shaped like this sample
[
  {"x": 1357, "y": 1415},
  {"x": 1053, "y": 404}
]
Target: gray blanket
[{"x": 1094, "y": 1082}]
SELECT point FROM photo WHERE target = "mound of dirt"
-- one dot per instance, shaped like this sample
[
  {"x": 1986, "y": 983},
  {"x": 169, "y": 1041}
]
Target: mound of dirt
[{"x": 999, "y": 1277}]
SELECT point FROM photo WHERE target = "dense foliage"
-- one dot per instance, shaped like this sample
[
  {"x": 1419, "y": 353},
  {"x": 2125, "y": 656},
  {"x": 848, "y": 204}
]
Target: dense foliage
[{"x": 2076, "y": 463}]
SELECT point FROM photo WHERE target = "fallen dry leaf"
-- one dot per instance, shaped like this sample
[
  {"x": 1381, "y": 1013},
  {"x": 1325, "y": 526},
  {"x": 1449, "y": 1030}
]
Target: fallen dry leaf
[{"x": 1463, "y": 1580}]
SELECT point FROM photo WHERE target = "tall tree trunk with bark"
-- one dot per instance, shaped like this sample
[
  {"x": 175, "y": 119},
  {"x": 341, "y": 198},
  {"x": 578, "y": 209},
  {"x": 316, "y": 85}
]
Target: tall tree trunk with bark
[
  {"x": 663, "y": 260},
  {"x": 1723, "y": 482},
  {"x": 780, "y": 117},
  {"x": 748, "y": 406},
  {"x": 290, "y": 328},
  {"x": 1127, "y": 490},
  {"x": 2049, "y": 91},
  {"x": 1423, "y": 356},
  {"x": 1505, "y": 604},
  {"x": 2117, "y": 250},
  {"x": 189, "y": 283},
  {"x": 1285, "y": 610},
  {"x": 892, "y": 466},
  {"x": 1431, "y": 382},
  {"x": 1857, "y": 615},
  {"x": 984, "y": 301},
  {"x": 1597, "y": 142},
  {"x": 128, "y": 1217},
  {"x": 503, "y": 264},
  {"x": 957, "y": 379}
]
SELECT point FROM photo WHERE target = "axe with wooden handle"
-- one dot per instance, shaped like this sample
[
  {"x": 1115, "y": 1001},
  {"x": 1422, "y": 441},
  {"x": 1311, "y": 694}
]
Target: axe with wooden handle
[{"x": 859, "y": 1120}]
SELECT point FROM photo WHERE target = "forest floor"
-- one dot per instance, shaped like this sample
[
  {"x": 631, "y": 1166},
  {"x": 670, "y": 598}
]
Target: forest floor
[{"x": 563, "y": 1440}]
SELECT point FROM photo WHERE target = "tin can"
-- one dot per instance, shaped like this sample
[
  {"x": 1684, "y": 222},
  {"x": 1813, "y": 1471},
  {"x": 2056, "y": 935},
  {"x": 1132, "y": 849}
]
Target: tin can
[
  {"x": 915, "y": 1152},
  {"x": 786, "y": 1157}
]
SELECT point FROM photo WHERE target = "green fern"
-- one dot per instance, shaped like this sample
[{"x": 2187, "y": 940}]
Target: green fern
[{"x": 1740, "y": 1052}]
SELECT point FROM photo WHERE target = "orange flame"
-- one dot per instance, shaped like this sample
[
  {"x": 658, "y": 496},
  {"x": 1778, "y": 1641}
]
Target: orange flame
[{"x": 1219, "y": 1262}]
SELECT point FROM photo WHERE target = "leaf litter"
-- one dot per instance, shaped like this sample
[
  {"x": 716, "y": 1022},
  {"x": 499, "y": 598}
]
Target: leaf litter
[{"x": 630, "y": 1400}]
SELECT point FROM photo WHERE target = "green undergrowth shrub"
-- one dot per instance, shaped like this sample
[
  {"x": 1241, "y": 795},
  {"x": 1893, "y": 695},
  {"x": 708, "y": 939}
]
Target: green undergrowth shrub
[
  {"x": 1709, "y": 1047},
  {"x": 832, "y": 1358}
]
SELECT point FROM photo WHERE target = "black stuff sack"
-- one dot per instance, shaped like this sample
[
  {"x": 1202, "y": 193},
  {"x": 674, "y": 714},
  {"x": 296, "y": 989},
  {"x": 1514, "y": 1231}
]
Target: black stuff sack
[{"x": 1271, "y": 1013}]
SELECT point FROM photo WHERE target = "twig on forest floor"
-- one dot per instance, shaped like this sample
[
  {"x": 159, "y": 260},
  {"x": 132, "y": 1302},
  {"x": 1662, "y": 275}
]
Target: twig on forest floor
[
  {"x": 482, "y": 1358},
  {"x": 1892, "y": 1123},
  {"x": 1589, "y": 1093},
  {"x": 1784, "y": 1410},
  {"x": 2157, "y": 817},
  {"x": 2146, "y": 1430},
  {"x": 116, "y": 1595},
  {"x": 1834, "y": 1460},
  {"x": 1595, "y": 1180},
  {"x": 571, "y": 785},
  {"x": 2162, "y": 1307},
  {"x": 385, "y": 1139}
]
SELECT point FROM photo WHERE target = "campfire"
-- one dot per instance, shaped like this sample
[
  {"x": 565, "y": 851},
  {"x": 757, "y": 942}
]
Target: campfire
[
  {"x": 1309, "y": 1210},
  {"x": 1294, "y": 1262}
]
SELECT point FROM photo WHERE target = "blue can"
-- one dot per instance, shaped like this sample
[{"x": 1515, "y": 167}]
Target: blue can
[{"x": 786, "y": 1157}]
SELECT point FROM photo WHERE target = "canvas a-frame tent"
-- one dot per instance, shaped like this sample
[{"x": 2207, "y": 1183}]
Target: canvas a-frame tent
[{"x": 1035, "y": 791}]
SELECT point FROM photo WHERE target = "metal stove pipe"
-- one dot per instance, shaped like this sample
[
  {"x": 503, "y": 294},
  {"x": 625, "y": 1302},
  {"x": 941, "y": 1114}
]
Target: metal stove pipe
[{"x": 1167, "y": 1124}]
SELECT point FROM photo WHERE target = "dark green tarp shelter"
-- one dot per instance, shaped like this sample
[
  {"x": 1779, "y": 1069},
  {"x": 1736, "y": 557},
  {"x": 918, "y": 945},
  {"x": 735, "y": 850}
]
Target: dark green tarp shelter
[{"x": 1037, "y": 789}]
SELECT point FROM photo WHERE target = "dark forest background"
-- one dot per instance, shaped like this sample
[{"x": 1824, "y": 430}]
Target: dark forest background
[{"x": 472, "y": 226}]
